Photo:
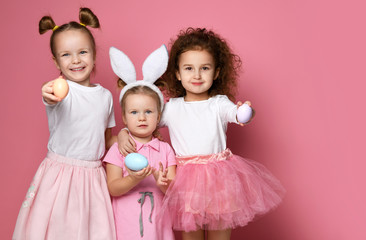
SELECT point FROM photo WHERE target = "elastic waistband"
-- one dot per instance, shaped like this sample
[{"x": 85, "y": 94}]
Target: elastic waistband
[
  {"x": 204, "y": 159},
  {"x": 73, "y": 161}
]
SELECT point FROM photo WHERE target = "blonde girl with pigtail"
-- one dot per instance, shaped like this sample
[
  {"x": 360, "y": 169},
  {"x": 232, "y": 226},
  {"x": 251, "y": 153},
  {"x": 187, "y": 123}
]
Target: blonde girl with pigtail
[{"x": 68, "y": 197}]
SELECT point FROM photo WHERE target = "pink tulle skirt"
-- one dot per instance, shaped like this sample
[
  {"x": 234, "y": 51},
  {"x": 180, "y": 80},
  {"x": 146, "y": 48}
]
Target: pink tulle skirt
[
  {"x": 67, "y": 199},
  {"x": 220, "y": 191}
]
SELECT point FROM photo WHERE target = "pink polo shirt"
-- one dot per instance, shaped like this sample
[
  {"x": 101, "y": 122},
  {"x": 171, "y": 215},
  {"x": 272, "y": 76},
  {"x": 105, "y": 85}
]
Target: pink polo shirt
[{"x": 126, "y": 207}]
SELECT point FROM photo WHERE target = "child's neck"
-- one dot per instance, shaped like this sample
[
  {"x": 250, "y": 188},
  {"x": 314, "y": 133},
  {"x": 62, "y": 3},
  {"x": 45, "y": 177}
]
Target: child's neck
[
  {"x": 85, "y": 83},
  {"x": 196, "y": 97},
  {"x": 142, "y": 140}
]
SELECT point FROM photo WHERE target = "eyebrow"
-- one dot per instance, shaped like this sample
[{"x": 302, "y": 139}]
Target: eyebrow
[{"x": 190, "y": 64}]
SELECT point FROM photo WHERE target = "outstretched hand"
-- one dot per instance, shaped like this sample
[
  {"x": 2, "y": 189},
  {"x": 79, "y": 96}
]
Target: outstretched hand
[{"x": 47, "y": 93}]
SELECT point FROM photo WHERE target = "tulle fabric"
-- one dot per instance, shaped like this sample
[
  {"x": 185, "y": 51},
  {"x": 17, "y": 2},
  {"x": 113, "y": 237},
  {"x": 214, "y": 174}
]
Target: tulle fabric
[
  {"x": 217, "y": 192},
  {"x": 67, "y": 199}
]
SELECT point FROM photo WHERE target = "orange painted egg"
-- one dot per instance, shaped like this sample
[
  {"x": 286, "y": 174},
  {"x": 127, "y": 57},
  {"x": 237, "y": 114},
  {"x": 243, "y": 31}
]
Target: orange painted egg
[{"x": 60, "y": 87}]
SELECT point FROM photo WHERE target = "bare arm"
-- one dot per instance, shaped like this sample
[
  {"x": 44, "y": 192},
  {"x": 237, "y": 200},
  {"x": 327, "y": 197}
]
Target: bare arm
[
  {"x": 126, "y": 144},
  {"x": 109, "y": 138},
  {"x": 119, "y": 184}
]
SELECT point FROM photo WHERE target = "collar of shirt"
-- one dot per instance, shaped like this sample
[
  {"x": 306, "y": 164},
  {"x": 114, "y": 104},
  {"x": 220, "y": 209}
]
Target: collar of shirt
[{"x": 154, "y": 144}]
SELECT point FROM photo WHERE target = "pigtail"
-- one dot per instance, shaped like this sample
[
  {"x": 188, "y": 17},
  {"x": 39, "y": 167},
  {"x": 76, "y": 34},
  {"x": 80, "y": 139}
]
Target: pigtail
[
  {"x": 88, "y": 18},
  {"x": 120, "y": 83},
  {"x": 45, "y": 24}
]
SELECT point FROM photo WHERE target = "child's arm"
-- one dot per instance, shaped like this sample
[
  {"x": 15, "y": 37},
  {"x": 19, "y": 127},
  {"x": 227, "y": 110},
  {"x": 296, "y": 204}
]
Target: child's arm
[
  {"x": 109, "y": 138},
  {"x": 164, "y": 177},
  {"x": 126, "y": 144},
  {"x": 118, "y": 184},
  {"x": 47, "y": 93}
]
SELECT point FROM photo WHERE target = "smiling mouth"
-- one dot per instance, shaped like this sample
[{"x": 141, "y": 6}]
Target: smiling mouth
[
  {"x": 197, "y": 83},
  {"x": 77, "y": 69}
]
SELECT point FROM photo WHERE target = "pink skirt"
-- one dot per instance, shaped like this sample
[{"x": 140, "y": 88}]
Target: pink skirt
[
  {"x": 67, "y": 199},
  {"x": 219, "y": 191}
]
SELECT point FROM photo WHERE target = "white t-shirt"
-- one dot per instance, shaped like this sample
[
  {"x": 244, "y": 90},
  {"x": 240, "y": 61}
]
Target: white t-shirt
[
  {"x": 77, "y": 124},
  {"x": 198, "y": 128}
]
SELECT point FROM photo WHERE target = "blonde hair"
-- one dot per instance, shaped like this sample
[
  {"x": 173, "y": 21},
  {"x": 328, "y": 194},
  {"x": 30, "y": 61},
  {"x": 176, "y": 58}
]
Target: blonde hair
[
  {"x": 141, "y": 90},
  {"x": 145, "y": 91}
]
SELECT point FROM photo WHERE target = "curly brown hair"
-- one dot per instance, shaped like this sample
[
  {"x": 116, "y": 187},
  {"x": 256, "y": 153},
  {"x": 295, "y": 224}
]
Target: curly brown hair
[
  {"x": 86, "y": 18},
  {"x": 225, "y": 60}
]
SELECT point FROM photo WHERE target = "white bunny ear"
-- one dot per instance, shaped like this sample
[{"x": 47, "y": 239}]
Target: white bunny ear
[
  {"x": 155, "y": 64},
  {"x": 122, "y": 65}
]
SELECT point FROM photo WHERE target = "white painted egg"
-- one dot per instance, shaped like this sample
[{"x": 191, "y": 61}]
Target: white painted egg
[
  {"x": 136, "y": 161},
  {"x": 244, "y": 113}
]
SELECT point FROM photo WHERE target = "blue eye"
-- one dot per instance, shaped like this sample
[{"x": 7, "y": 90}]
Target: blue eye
[
  {"x": 65, "y": 55},
  {"x": 83, "y": 52},
  {"x": 133, "y": 112},
  {"x": 148, "y": 111}
]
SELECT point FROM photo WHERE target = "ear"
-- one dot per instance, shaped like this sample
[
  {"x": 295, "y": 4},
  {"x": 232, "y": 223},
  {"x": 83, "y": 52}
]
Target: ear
[
  {"x": 177, "y": 75},
  {"x": 159, "y": 116},
  {"x": 56, "y": 63},
  {"x": 122, "y": 65},
  {"x": 217, "y": 72},
  {"x": 155, "y": 64}
]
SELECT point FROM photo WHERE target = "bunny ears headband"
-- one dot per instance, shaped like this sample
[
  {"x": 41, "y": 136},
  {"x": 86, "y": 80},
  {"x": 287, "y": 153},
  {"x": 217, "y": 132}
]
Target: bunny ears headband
[{"x": 153, "y": 68}]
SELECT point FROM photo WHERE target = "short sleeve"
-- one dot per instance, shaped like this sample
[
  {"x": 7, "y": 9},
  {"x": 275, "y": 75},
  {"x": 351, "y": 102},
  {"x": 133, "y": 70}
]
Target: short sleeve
[
  {"x": 111, "y": 120},
  {"x": 114, "y": 157},
  {"x": 165, "y": 115}
]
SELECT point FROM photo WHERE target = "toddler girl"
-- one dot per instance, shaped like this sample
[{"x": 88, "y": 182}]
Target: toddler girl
[
  {"x": 68, "y": 197},
  {"x": 137, "y": 195}
]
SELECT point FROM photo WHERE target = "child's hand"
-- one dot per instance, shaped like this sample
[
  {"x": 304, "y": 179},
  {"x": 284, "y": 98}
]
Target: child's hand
[
  {"x": 239, "y": 103},
  {"x": 47, "y": 93},
  {"x": 126, "y": 144},
  {"x": 140, "y": 175},
  {"x": 161, "y": 176}
]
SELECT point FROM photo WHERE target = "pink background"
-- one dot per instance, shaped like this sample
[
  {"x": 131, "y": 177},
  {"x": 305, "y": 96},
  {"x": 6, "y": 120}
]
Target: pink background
[{"x": 304, "y": 71}]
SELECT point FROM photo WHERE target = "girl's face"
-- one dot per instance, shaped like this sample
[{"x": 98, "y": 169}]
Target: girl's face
[
  {"x": 74, "y": 56},
  {"x": 197, "y": 73},
  {"x": 141, "y": 116}
]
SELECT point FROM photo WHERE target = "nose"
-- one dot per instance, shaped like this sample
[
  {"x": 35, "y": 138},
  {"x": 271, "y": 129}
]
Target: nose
[
  {"x": 75, "y": 59},
  {"x": 142, "y": 117},
  {"x": 197, "y": 74}
]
